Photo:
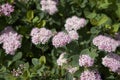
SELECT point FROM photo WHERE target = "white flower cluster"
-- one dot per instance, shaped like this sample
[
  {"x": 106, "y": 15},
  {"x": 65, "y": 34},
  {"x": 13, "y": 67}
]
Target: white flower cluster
[{"x": 61, "y": 60}]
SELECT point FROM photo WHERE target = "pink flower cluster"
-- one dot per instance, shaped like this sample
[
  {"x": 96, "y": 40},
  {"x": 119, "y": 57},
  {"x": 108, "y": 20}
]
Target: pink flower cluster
[
  {"x": 49, "y": 6},
  {"x": 112, "y": 61},
  {"x": 105, "y": 43},
  {"x": 74, "y": 23},
  {"x": 11, "y": 40},
  {"x": 40, "y": 36},
  {"x": 73, "y": 35},
  {"x": 90, "y": 75},
  {"x": 61, "y": 60},
  {"x": 61, "y": 39},
  {"x": 86, "y": 61},
  {"x": 6, "y": 9}
]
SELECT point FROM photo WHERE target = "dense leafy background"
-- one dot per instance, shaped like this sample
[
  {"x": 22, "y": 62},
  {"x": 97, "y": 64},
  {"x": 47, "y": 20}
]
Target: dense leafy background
[{"x": 103, "y": 17}]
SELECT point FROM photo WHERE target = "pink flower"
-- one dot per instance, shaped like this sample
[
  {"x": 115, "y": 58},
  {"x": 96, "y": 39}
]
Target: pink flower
[
  {"x": 61, "y": 39},
  {"x": 90, "y": 75},
  {"x": 6, "y": 9},
  {"x": 73, "y": 35},
  {"x": 11, "y": 40},
  {"x": 112, "y": 61},
  {"x": 40, "y": 36},
  {"x": 105, "y": 43},
  {"x": 86, "y": 61},
  {"x": 49, "y": 6},
  {"x": 74, "y": 23}
]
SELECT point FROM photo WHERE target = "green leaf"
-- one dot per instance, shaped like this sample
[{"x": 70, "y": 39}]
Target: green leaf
[
  {"x": 35, "y": 61},
  {"x": 42, "y": 59},
  {"x": 10, "y": 1},
  {"x": 118, "y": 10},
  {"x": 26, "y": 65},
  {"x": 35, "y": 19},
  {"x": 104, "y": 5},
  {"x": 75, "y": 60},
  {"x": 116, "y": 27},
  {"x": 85, "y": 51},
  {"x": 41, "y": 24},
  {"x": 69, "y": 76},
  {"x": 17, "y": 56},
  {"x": 93, "y": 53},
  {"x": 103, "y": 20},
  {"x": 90, "y": 15},
  {"x": 30, "y": 15}
]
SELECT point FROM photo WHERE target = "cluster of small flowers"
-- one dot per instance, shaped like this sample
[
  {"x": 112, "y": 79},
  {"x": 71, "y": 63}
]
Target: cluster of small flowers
[
  {"x": 71, "y": 26},
  {"x": 74, "y": 23},
  {"x": 17, "y": 72},
  {"x": 73, "y": 35},
  {"x": 61, "y": 60},
  {"x": 40, "y": 35},
  {"x": 105, "y": 43},
  {"x": 72, "y": 70},
  {"x": 11, "y": 40},
  {"x": 6, "y": 9},
  {"x": 49, "y": 6},
  {"x": 112, "y": 61},
  {"x": 86, "y": 61},
  {"x": 90, "y": 75},
  {"x": 61, "y": 39}
]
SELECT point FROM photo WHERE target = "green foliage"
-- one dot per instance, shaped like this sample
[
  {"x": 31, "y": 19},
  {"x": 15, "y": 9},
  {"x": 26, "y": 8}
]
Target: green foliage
[{"x": 40, "y": 61}]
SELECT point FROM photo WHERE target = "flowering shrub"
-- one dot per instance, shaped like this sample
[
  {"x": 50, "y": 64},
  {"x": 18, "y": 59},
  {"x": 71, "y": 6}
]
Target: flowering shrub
[{"x": 59, "y": 40}]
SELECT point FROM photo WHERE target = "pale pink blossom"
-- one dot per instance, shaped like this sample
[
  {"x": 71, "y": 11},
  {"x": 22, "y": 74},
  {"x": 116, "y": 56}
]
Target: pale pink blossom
[
  {"x": 86, "y": 61},
  {"x": 61, "y": 39},
  {"x": 90, "y": 75},
  {"x": 6, "y": 9},
  {"x": 105, "y": 43},
  {"x": 74, "y": 23},
  {"x": 112, "y": 61},
  {"x": 11, "y": 40},
  {"x": 73, "y": 35},
  {"x": 40, "y": 35},
  {"x": 49, "y": 6}
]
